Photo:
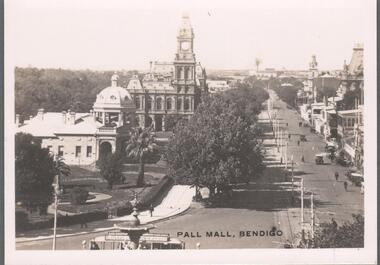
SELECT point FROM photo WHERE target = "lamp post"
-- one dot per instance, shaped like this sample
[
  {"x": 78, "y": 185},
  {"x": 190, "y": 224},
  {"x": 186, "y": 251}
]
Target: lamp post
[
  {"x": 286, "y": 155},
  {"x": 301, "y": 200},
  {"x": 292, "y": 178},
  {"x": 312, "y": 214},
  {"x": 56, "y": 193}
]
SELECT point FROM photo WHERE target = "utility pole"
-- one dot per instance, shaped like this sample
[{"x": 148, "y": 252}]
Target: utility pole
[
  {"x": 312, "y": 214},
  {"x": 292, "y": 178},
  {"x": 301, "y": 200},
  {"x": 278, "y": 136},
  {"x": 56, "y": 190},
  {"x": 286, "y": 155}
]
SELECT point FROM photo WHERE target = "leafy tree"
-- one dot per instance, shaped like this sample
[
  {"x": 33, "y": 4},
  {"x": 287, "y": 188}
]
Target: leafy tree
[
  {"x": 349, "y": 98},
  {"x": 140, "y": 145},
  {"x": 171, "y": 121},
  {"x": 110, "y": 166},
  {"x": 287, "y": 94},
  {"x": 329, "y": 235},
  {"x": 56, "y": 90},
  {"x": 35, "y": 171},
  {"x": 326, "y": 92},
  {"x": 217, "y": 147}
]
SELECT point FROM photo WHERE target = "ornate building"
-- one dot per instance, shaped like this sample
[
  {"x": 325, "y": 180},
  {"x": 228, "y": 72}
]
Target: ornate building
[
  {"x": 81, "y": 138},
  {"x": 352, "y": 75},
  {"x": 170, "y": 89}
]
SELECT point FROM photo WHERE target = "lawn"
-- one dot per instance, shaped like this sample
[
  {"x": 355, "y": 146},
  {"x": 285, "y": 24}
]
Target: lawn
[{"x": 121, "y": 193}]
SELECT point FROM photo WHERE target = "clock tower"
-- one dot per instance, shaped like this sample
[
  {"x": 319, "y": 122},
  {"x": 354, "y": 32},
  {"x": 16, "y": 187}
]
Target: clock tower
[{"x": 185, "y": 68}]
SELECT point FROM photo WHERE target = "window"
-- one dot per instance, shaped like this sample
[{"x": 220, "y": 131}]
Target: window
[
  {"x": 159, "y": 104},
  {"x": 149, "y": 103},
  {"x": 77, "y": 151},
  {"x": 60, "y": 150},
  {"x": 187, "y": 104},
  {"x": 89, "y": 151},
  {"x": 169, "y": 104},
  {"x": 50, "y": 148},
  {"x": 179, "y": 104},
  {"x": 137, "y": 102}
]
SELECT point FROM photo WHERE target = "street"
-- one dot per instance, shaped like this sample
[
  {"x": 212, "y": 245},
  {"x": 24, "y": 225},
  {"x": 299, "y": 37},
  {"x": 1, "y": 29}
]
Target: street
[{"x": 263, "y": 205}]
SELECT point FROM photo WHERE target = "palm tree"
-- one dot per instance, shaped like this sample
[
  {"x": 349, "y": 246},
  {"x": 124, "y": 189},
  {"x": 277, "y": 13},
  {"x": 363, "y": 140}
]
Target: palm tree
[
  {"x": 61, "y": 169},
  {"x": 139, "y": 146}
]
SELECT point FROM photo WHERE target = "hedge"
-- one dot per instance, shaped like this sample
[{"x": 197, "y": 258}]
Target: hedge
[{"x": 155, "y": 195}]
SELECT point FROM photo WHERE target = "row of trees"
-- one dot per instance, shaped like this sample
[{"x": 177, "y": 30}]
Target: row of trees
[
  {"x": 330, "y": 235},
  {"x": 219, "y": 145},
  {"x": 58, "y": 89}
]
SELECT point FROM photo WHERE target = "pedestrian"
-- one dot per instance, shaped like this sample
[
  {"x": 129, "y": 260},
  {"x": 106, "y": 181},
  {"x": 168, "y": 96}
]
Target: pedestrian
[
  {"x": 289, "y": 135},
  {"x": 281, "y": 161},
  {"x": 84, "y": 243},
  {"x": 345, "y": 185},
  {"x": 198, "y": 245},
  {"x": 336, "y": 176},
  {"x": 333, "y": 222},
  {"x": 83, "y": 223},
  {"x": 287, "y": 124},
  {"x": 362, "y": 188},
  {"x": 298, "y": 142},
  {"x": 302, "y": 159},
  {"x": 151, "y": 209}
]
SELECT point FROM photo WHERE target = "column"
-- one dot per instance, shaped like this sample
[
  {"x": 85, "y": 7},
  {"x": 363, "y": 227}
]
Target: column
[
  {"x": 104, "y": 118},
  {"x": 121, "y": 119},
  {"x": 163, "y": 122}
]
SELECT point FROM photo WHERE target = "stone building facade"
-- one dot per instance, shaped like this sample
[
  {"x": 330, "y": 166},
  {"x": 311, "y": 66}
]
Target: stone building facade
[
  {"x": 81, "y": 138},
  {"x": 170, "y": 89}
]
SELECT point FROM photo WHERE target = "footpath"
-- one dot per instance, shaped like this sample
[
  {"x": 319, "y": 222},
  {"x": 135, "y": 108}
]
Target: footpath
[
  {"x": 287, "y": 218},
  {"x": 176, "y": 202}
]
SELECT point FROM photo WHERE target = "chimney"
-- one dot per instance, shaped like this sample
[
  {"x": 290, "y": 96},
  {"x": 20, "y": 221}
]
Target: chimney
[
  {"x": 40, "y": 114},
  {"x": 72, "y": 117},
  {"x": 17, "y": 120},
  {"x": 64, "y": 117}
]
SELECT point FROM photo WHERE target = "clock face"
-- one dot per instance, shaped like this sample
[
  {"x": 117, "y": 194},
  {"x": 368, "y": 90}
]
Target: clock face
[{"x": 185, "y": 45}]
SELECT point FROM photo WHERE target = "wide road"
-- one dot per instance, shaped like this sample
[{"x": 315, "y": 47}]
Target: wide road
[{"x": 261, "y": 205}]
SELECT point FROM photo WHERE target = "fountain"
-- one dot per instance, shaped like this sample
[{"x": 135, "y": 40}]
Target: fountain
[{"x": 133, "y": 227}]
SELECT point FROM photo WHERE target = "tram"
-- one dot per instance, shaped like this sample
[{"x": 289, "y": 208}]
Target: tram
[{"x": 148, "y": 241}]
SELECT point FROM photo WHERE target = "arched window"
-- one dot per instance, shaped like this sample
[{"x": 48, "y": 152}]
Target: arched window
[
  {"x": 149, "y": 103},
  {"x": 169, "y": 104},
  {"x": 186, "y": 72},
  {"x": 179, "y": 104},
  {"x": 187, "y": 104},
  {"x": 159, "y": 104},
  {"x": 137, "y": 102}
]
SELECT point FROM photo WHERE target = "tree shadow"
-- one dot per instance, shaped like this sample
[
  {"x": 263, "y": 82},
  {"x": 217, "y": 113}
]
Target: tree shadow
[{"x": 273, "y": 191}]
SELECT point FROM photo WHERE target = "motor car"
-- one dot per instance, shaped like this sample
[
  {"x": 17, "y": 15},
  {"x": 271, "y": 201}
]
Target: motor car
[
  {"x": 356, "y": 178},
  {"x": 319, "y": 159},
  {"x": 303, "y": 138}
]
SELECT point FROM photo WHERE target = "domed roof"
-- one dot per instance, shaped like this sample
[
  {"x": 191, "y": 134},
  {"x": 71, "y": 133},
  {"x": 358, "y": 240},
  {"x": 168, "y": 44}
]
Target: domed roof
[{"x": 114, "y": 96}]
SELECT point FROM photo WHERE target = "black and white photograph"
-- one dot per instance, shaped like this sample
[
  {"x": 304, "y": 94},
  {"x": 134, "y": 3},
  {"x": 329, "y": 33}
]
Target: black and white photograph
[{"x": 190, "y": 129}]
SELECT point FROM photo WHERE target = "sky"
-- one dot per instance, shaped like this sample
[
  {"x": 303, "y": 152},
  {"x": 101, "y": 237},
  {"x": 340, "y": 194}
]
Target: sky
[{"x": 115, "y": 35}]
